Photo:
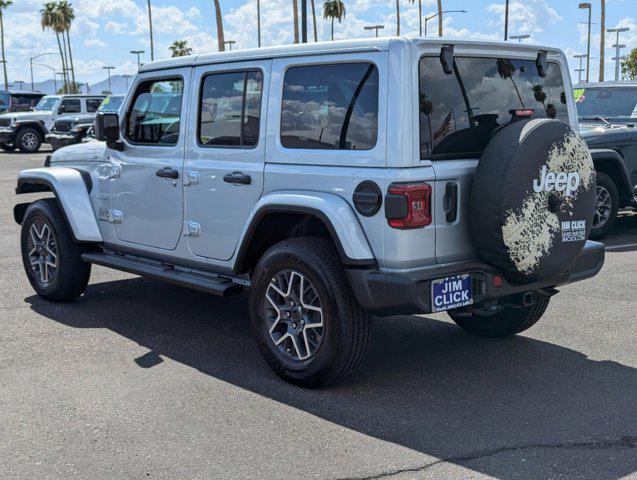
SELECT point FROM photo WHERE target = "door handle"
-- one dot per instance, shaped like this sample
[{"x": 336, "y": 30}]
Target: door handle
[
  {"x": 450, "y": 202},
  {"x": 167, "y": 172},
  {"x": 237, "y": 178}
]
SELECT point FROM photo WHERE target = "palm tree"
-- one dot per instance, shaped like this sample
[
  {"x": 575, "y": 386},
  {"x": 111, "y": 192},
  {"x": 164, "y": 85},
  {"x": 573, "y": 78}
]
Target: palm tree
[
  {"x": 49, "y": 20},
  {"x": 180, "y": 48},
  {"x": 440, "y": 18},
  {"x": 150, "y": 26},
  {"x": 602, "y": 42},
  {"x": 66, "y": 17},
  {"x": 314, "y": 22},
  {"x": 3, "y": 5},
  {"x": 333, "y": 10},
  {"x": 295, "y": 16},
  {"x": 398, "y": 17},
  {"x": 220, "y": 39},
  {"x": 419, "y": 14},
  {"x": 259, "y": 23}
]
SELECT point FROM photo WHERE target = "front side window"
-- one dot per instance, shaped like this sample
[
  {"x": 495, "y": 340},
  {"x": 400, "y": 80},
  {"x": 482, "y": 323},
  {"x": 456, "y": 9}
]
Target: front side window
[
  {"x": 330, "y": 107},
  {"x": 230, "y": 109},
  {"x": 92, "y": 104},
  {"x": 155, "y": 116},
  {"x": 460, "y": 112},
  {"x": 71, "y": 105}
]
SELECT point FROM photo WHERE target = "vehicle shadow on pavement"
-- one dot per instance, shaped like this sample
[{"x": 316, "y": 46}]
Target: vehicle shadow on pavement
[
  {"x": 512, "y": 408},
  {"x": 623, "y": 236}
]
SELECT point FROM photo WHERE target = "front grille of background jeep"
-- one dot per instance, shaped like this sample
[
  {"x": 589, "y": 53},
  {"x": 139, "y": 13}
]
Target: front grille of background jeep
[
  {"x": 5, "y": 122},
  {"x": 62, "y": 126}
]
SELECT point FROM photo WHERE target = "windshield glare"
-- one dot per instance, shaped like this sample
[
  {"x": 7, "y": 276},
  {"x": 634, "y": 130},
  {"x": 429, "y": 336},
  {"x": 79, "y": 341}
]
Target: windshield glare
[
  {"x": 111, "y": 104},
  {"x": 47, "y": 103},
  {"x": 606, "y": 102}
]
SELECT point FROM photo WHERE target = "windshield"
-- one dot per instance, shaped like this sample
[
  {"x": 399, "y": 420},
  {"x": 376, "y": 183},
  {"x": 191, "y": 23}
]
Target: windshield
[
  {"x": 47, "y": 103},
  {"x": 460, "y": 112},
  {"x": 111, "y": 104},
  {"x": 606, "y": 102},
  {"x": 5, "y": 101}
]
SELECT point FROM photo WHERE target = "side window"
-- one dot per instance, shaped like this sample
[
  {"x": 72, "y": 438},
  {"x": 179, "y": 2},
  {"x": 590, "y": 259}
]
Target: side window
[
  {"x": 156, "y": 112},
  {"x": 330, "y": 107},
  {"x": 230, "y": 109},
  {"x": 92, "y": 104},
  {"x": 71, "y": 105}
]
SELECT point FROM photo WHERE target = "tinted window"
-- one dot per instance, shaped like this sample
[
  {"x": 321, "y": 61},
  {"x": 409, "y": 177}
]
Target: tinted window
[
  {"x": 608, "y": 102},
  {"x": 459, "y": 112},
  {"x": 230, "y": 109},
  {"x": 156, "y": 112},
  {"x": 71, "y": 105},
  {"x": 92, "y": 104},
  {"x": 111, "y": 104},
  {"x": 330, "y": 107},
  {"x": 5, "y": 100}
]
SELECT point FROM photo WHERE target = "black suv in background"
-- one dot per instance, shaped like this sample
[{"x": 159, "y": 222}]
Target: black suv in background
[{"x": 608, "y": 122}]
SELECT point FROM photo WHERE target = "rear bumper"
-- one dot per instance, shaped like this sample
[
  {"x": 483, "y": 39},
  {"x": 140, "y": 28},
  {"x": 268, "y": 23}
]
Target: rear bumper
[
  {"x": 58, "y": 140},
  {"x": 407, "y": 293}
]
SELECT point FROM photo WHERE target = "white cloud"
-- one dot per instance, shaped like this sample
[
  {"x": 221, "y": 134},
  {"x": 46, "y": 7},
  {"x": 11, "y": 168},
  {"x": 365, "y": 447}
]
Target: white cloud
[
  {"x": 115, "y": 28},
  {"x": 93, "y": 42},
  {"x": 528, "y": 17}
]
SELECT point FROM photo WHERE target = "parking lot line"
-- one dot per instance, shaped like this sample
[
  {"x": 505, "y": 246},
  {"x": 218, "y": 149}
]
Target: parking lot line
[{"x": 619, "y": 247}]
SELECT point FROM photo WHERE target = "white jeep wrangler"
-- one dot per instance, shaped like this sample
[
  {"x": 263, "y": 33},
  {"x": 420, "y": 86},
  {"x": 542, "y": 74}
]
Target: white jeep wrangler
[{"x": 332, "y": 182}]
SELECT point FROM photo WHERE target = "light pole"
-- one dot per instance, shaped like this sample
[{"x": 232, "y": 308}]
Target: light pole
[
  {"x": 303, "y": 21},
  {"x": 108, "y": 69},
  {"x": 55, "y": 81},
  {"x": 230, "y": 43},
  {"x": 138, "y": 53},
  {"x": 587, "y": 6},
  {"x": 259, "y": 22},
  {"x": 519, "y": 38},
  {"x": 375, "y": 27},
  {"x": 618, "y": 48},
  {"x": 31, "y": 63},
  {"x": 431, "y": 17},
  {"x": 580, "y": 69}
]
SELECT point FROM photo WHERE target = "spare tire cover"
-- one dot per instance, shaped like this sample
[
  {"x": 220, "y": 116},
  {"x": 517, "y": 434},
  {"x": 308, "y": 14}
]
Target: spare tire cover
[{"x": 532, "y": 200}]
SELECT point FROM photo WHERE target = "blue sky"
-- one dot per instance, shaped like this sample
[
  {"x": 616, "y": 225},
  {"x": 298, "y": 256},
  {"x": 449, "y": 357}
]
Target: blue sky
[{"x": 105, "y": 31}]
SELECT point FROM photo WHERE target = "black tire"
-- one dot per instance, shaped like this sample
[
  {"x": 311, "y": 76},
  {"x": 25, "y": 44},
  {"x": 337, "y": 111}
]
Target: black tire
[
  {"x": 71, "y": 275},
  {"x": 509, "y": 321},
  {"x": 609, "y": 191},
  {"x": 345, "y": 334},
  {"x": 29, "y": 139},
  {"x": 7, "y": 147}
]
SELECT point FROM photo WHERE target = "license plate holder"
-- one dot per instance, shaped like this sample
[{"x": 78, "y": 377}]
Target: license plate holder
[{"x": 451, "y": 292}]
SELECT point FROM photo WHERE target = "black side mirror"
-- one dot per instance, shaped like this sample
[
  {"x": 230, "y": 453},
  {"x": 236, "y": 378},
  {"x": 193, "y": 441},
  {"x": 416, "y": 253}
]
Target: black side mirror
[
  {"x": 446, "y": 59},
  {"x": 541, "y": 64},
  {"x": 61, "y": 109},
  {"x": 107, "y": 127}
]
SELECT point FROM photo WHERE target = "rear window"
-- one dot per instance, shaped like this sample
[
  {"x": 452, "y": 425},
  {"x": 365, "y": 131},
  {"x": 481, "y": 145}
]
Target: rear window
[
  {"x": 607, "y": 102},
  {"x": 460, "y": 112}
]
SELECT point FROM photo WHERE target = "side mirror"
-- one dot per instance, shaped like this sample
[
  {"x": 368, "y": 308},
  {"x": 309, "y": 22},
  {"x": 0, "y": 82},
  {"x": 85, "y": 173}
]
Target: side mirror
[
  {"x": 107, "y": 127},
  {"x": 61, "y": 109}
]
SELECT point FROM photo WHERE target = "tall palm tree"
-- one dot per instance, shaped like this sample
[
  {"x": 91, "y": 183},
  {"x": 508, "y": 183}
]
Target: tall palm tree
[
  {"x": 180, "y": 48},
  {"x": 66, "y": 16},
  {"x": 419, "y": 15},
  {"x": 150, "y": 26},
  {"x": 49, "y": 20},
  {"x": 333, "y": 10},
  {"x": 3, "y": 5},
  {"x": 295, "y": 16},
  {"x": 602, "y": 42},
  {"x": 398, "y": 17},
  {"x": 259, "y": 23},
  {"x": 314, "y": 22},
  {"x": 220, "y": 39},
  {"x": 440, "y": 18}
]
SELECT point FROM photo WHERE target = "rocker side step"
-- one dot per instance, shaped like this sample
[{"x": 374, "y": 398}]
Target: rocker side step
[{"x": 204, "y": 282}]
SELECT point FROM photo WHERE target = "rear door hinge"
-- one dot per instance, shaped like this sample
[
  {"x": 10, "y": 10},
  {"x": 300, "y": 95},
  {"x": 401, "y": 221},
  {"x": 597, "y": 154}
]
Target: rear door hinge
[
  {"x": 191, "y": 178},
  {"x": 191, "y": 229}
]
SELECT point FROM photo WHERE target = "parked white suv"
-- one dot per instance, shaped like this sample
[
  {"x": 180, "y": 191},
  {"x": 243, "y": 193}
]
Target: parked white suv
[
  {"x": 332, "y": 182},
  {"x": 26, "y": 131}
]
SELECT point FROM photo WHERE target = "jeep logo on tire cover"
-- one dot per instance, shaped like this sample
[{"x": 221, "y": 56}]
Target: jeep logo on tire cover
[{"x": 560, "y": 182}]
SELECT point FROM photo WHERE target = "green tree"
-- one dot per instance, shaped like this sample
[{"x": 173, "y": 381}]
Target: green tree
[
  {"x": 220, "y": 38},
  {"x": 333, "y": 10},
  {"x": 3, "y": 5},
  {"x": 66, "y": 16},
  {"x": 629, "y": 66},
  {"x": 180, "y": 48},
  {"x": 50, "y": 19}
]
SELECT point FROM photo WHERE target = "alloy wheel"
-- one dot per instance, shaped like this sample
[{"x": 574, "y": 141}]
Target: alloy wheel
[
  {"x": 43, "y": 254},
  {"x": 603, "y": 207},
  {"x": 294, "y": 315},
  {"x": 29, "y": 141}
]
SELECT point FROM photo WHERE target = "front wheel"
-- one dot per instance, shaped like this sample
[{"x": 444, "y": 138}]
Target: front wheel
[
  {"x": 311, "y": 330},
  {"x": 29, "y": 140},
  {"x": 506, "y": 321},
  {"x": 52, "y": 260}
]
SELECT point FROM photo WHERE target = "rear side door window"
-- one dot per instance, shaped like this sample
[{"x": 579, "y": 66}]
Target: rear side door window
[
  {"x": 230, "y": 109},
  {"x": 330, "y": 107},
  {"x": 71, "y": 105},
  {"x": 92, "y": 104},
  {"x": 155, "y": 117}
]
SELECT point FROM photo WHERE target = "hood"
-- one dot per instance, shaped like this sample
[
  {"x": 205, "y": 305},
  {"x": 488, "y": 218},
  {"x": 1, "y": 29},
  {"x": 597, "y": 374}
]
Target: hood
[
  {"x": 39, "y": 115},
  {"x": 91, "y": 151},
  {"x": 603, "y": 134},
  {"x": 89, "y": 118}
]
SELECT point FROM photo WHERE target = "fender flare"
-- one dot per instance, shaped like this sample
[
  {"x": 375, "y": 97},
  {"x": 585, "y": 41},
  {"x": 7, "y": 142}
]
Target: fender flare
[
  {"x": 71, "y": 189},
  {"x": 335, "y": 213},
  {"x": 613, "y": 158},
  {"x": 39, "y": 124}
]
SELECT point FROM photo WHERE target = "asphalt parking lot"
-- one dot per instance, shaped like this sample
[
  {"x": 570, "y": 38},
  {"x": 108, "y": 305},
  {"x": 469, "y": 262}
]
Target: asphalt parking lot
[{"x": 139, "y": 379}]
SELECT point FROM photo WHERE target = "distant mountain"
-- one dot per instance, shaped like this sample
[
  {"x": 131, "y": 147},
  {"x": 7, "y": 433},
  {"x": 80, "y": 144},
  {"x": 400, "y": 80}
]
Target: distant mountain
[{"x": 118, "y": 85}]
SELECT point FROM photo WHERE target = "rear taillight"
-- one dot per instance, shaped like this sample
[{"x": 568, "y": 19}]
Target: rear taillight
[{"x": 408, "y": 205}]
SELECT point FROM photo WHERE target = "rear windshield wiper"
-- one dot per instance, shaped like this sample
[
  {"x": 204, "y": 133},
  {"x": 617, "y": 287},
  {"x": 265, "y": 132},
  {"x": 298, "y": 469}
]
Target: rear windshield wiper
[{"x": 599, "y": 117}]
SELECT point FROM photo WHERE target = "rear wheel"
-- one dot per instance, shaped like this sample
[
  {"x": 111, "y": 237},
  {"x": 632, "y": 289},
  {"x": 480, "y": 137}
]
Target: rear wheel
[
  {"x": 52, "y": 260},
  {"x": 504, "y": 322},
  {"x": 29, "y": 140},
  {"x": 606, "y": 206},
  {"x": 311, "y": 330}
]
